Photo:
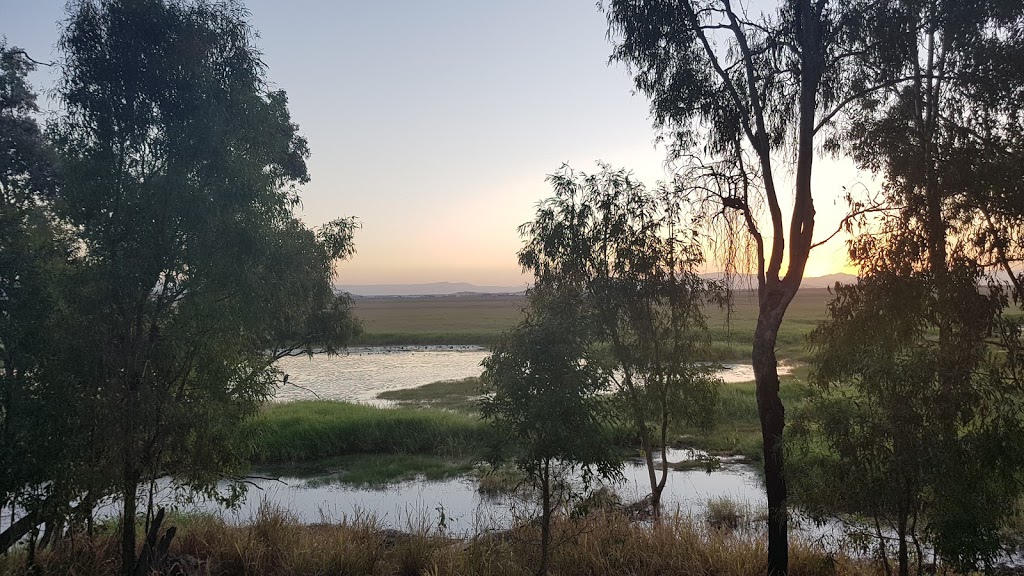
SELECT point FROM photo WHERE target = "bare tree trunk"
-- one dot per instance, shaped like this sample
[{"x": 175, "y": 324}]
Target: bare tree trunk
[
  {"x": 545, "y": 525},
  {"x": 645, "y": 444},
  {"x": 128, "y": 494},
  {"x": 18, "y": 530},
  {"x": 903, "y": 553},
  {"x": 773, "y": 420}
]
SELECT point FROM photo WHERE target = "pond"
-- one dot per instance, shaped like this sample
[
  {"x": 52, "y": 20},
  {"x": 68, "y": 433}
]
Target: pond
[
  {"x": 360, "y": 374},
  {"x": 419, "y": 504}
]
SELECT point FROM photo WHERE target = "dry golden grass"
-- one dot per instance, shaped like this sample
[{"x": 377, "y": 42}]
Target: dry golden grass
[{"x": 602, "y": 543}]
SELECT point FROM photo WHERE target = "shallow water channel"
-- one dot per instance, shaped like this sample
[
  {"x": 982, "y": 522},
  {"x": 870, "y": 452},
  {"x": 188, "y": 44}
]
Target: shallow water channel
[
  {"x": 457, "y": 506},
  {"x": 360, "y": 374}
]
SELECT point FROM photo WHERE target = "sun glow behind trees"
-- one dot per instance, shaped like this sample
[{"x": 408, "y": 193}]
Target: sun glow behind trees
[{"x": 470, "y": 176}]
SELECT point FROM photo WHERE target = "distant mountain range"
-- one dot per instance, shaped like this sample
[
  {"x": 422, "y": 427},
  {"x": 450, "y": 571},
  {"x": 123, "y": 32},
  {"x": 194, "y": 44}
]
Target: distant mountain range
[
  {"x": 740, "y": 281},
  {"x": 432, "y": 289}
]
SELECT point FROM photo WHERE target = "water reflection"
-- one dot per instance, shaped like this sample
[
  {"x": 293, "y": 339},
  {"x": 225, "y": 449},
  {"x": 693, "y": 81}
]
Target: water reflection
[
  {"x": 421, "y": 503},
  {"x": 362, "y": 373}
]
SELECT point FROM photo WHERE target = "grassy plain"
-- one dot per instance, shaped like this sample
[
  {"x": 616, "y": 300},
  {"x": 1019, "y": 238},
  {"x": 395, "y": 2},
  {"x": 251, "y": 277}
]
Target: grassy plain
[
  {"x": 471, "y": 319},
  {"x": 363, "y": 445},
  {"x": 481, "y": 318}
]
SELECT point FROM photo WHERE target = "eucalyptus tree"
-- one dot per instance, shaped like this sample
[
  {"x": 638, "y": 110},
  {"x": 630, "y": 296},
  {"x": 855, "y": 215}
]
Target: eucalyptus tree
[
  {"x": 35, "y": 256},
  {"x": 944, "y": 131},
  {"x": 631, "y": 255},
  {"x": 743, "y": 89},
  {"x": 180, "y": 171},
  {"x": 745, "y": 99},
  {"x": 934, "y": 466},
  {"x": 544, "y": 389}
]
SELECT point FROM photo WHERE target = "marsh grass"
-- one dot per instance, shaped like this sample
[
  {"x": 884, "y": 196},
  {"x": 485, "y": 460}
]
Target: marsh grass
[
  {"x": 737, "y": 429},
  {"x": 459, "y": 395},
  {"x": 374, "y": 470},
  {"x": 727, "y": 515},
  {"x": 501, "y": 480},
  {"x": 602, "y": 542},
  {"x": 308, "y": 431}
]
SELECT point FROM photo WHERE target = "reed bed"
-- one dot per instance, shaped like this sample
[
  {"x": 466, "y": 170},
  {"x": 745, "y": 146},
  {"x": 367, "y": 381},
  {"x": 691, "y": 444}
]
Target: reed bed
[
  {"x": 601, "y": 543},
  {"x": 315, "y": 430}
]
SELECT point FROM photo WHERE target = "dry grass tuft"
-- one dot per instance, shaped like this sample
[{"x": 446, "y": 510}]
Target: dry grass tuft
[{"x": 601, "y": 543}]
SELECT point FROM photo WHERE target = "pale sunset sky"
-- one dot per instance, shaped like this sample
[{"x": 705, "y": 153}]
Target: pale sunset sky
[{"x": 435, "y": 123}]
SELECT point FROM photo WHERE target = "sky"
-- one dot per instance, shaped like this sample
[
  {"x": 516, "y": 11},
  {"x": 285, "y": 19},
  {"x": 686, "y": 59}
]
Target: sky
[{"x": 435, "y": 123}]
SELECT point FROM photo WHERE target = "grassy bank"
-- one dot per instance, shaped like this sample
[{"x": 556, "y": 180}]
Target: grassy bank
[
  {"x": 315, "y": 430},
  {"x": 737, "y": 430},
  {"x": 339, "y": 442},
  {"x": 601, "y": 543},
  {"x": 459, "y": 395},
  {"x": 435, "y": 431}
]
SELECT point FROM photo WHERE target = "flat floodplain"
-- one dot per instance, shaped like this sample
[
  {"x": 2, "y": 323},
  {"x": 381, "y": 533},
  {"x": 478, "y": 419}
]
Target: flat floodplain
[
  {"x": 481, "y": 318},
  {"x": 459, "y": 319}
]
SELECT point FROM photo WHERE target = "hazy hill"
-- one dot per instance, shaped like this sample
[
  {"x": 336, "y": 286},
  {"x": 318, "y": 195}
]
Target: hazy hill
[
  {"x": 740, "y": 282},
  {"x": 432, "y": 289}
]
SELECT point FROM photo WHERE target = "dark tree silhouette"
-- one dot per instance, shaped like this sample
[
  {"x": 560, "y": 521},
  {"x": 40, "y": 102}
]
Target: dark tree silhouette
[{"x": 180, "y": 171}]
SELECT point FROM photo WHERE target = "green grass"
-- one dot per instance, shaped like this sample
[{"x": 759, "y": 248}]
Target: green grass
[
  {"x": 459, "y": 395},
  {"x": 737, "y": 429},
  {"x": 477, "y": 319},
  {"x": 481, "y": 319},
  {"x": 315, "y": 430}
]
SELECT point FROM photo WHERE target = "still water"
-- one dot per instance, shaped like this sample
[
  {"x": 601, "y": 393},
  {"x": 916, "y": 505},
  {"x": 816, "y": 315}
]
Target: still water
[
  {"x": 361, "y": 373},
  {"x": 458, "y": 507}
]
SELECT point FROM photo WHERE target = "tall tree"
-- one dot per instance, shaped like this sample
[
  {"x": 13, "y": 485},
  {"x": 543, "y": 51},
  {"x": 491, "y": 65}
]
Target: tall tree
[
  {"x": 631, "y": 256},
  {"x": 948, "y": 142},
  {"x": 944, "y": 130},
  {"x": 888, "y": 437},
  {"x": 37, "y": 403},
  {"x": 180, "y": 170},
  {"x": 741, "y": 90}
]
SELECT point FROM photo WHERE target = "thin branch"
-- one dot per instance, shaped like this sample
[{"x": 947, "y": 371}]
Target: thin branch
[
  {"x": 31, "y": 59},
  {"x": 850, "y": 217},
  {"x": 285, "y": 382}
]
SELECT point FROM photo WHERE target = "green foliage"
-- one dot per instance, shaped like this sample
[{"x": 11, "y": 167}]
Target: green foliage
[
  {"x": 926, "y": 426},
  {"x": 922, "y": 399},
  {"x": 168, "y": 271},
  {"x": 629, "y": 258},
  {"x": 544, "y": 385},
  {"x": 38, "y": 401},
  {"x": 543, "y": 389}
]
